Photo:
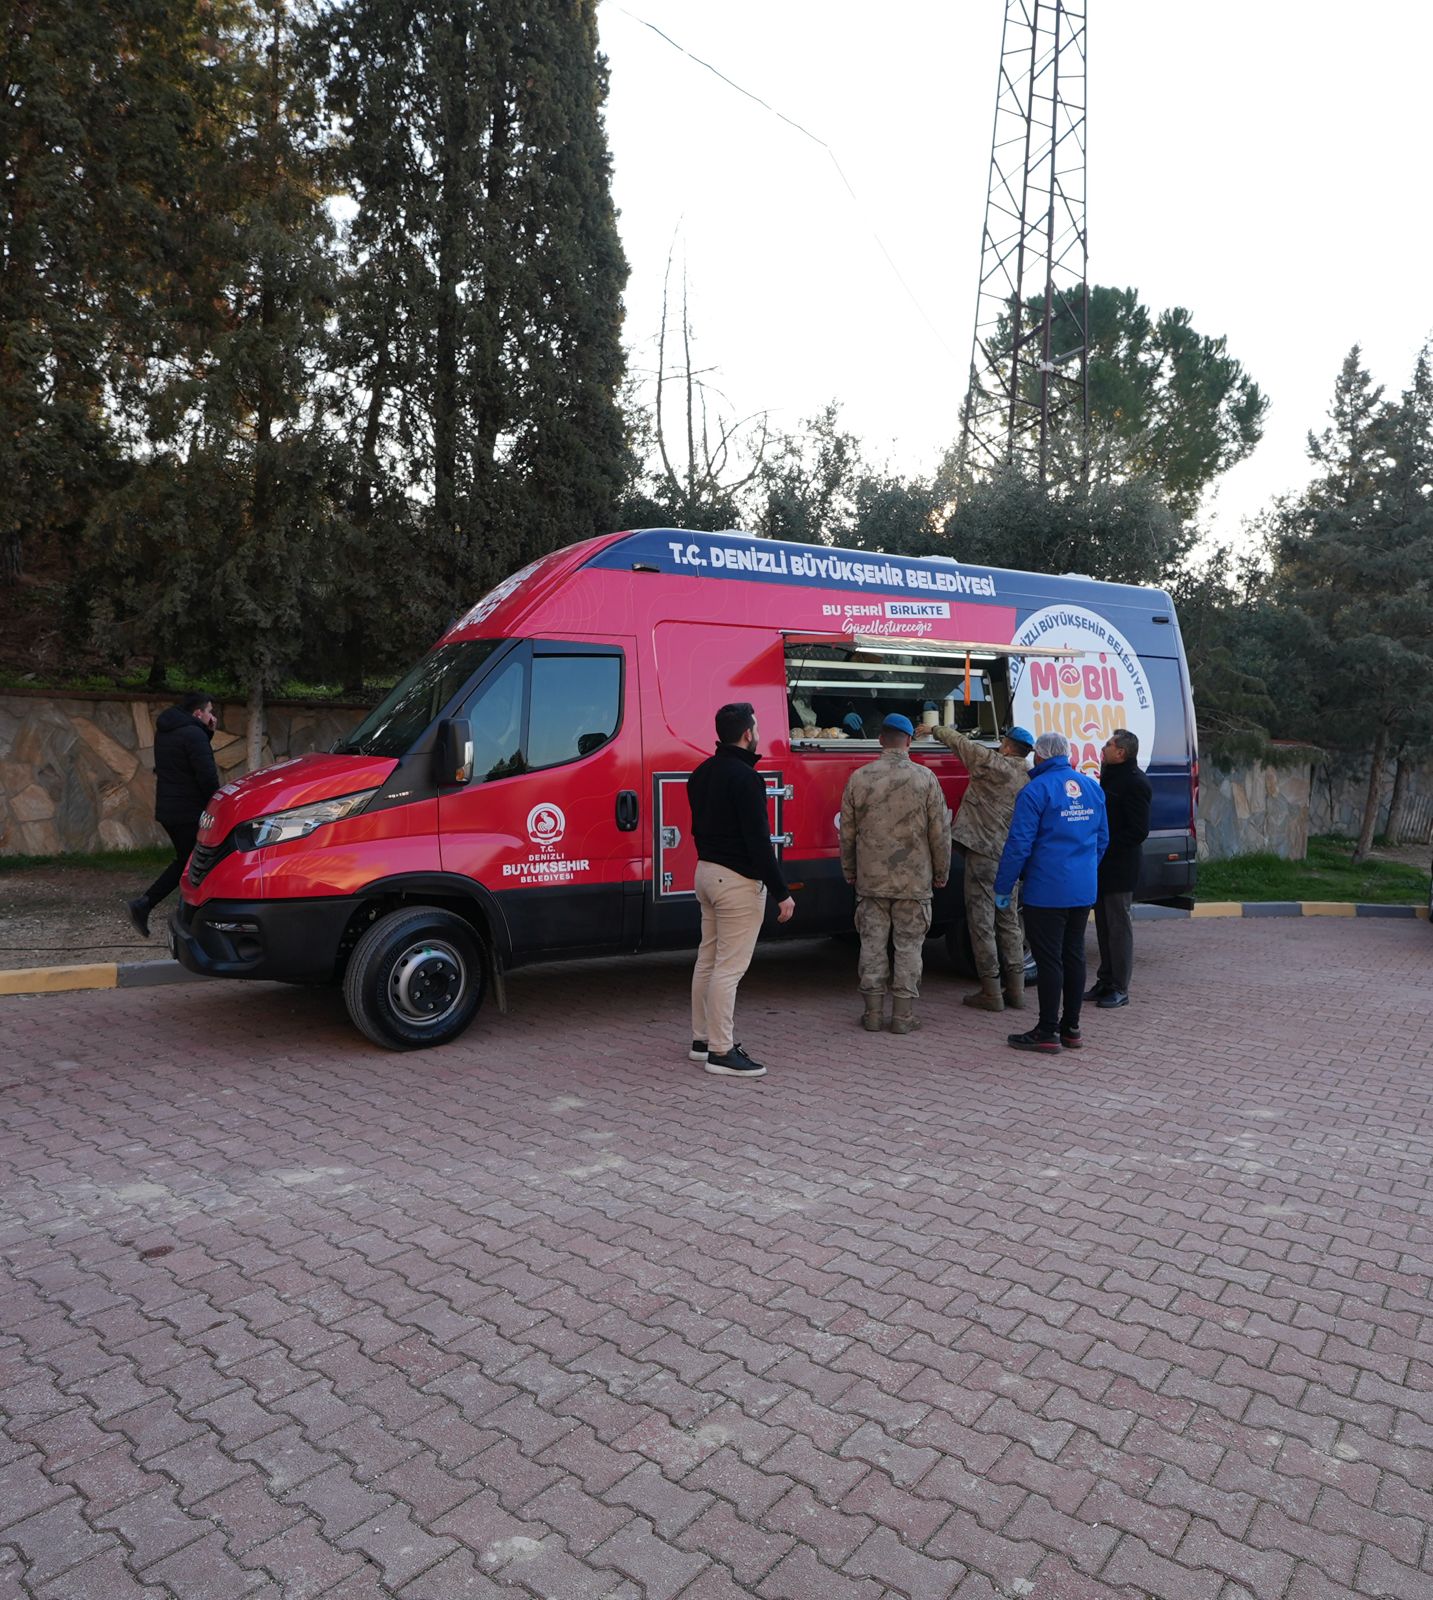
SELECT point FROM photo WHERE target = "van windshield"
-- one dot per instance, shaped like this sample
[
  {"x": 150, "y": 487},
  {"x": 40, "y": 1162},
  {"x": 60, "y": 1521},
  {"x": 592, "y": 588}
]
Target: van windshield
[{"x": 411, "y": 706}]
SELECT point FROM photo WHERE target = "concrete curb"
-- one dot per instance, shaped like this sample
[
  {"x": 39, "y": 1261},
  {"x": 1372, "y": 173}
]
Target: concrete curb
[
  {"x": 1277, "y": 908},
  {"x": 95, "y": 975}
]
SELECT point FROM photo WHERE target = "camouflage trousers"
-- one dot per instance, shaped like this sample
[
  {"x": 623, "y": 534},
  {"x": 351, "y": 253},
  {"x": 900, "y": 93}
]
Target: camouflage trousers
[
  {"x": 995, "y": 935},
  {"x": 887, "y": 926}
]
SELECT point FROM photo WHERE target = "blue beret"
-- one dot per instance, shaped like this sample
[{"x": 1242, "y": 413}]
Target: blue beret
[{"x": 896, "y": 720}]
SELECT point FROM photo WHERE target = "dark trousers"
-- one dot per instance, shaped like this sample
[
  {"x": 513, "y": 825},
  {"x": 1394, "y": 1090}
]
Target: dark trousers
[
  {"x": 1114, "y": 928},
  {"x": 182, "y": 836},
  {"x": 1057, "y": 941}
]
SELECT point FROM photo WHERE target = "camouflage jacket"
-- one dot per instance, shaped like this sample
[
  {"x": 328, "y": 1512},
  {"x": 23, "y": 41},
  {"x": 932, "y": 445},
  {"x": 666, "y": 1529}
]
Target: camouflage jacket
[
  {"x": 895, "y": 829},
  {"x": 983, "y": 819}
]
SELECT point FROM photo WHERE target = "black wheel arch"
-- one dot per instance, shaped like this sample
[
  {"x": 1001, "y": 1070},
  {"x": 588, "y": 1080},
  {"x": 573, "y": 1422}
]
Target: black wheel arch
[{"x": 450, "y": 891}]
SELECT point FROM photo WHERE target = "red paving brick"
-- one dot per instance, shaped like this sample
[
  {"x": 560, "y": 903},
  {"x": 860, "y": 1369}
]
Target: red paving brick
[{"x": 552, "y": 1313}]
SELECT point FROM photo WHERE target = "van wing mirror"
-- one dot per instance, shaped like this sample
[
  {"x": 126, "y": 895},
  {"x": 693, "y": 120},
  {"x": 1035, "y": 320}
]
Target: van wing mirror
[{"x": 453, "y": 753}]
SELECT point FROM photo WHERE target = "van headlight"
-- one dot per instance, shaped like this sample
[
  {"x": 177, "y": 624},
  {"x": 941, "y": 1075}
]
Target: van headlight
[{"x": 280, "y": 826}]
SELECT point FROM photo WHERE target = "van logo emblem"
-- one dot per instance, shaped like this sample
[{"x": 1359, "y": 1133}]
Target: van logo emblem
[
  {"x": 206, "y": 820},
  {"x": 546, "y": 824}
]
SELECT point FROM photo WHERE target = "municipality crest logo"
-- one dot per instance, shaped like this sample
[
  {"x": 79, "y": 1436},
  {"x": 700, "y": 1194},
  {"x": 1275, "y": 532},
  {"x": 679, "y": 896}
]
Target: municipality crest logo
[{"x": 546, "y": 824}]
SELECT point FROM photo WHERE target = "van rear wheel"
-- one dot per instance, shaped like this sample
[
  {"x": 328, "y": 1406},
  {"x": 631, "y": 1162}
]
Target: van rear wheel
[{"x": 415, "y": 979}]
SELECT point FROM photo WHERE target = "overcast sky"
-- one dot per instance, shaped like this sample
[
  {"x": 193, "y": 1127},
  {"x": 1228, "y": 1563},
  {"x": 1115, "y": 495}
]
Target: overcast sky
[{"x": 1258, "y": 161}]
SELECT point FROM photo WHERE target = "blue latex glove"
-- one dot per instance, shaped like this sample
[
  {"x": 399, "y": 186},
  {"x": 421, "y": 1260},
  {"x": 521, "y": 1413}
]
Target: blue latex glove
[{"x": 1002, "y": 902}]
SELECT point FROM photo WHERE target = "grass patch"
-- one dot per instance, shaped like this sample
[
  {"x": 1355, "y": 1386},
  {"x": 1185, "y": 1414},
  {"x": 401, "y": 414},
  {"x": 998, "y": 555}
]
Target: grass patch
[
  {"x": 150, "y": 858},
  {"x": 1327, "y": 874}
]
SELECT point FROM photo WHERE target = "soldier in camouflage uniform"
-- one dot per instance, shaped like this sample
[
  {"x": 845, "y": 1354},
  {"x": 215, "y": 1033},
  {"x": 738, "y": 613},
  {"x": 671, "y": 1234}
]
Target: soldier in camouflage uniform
[
  {"x": 981, "y": 824},
  {"x": 895, "y": 848}
]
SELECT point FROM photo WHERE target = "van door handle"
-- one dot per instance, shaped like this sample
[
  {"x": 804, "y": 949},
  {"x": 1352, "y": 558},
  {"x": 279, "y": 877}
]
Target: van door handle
[{"x": 627, "y": 814}]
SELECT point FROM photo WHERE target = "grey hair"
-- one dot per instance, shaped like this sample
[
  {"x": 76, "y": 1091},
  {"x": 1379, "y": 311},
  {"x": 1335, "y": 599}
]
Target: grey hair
[{"x": 1051, "y": 744}]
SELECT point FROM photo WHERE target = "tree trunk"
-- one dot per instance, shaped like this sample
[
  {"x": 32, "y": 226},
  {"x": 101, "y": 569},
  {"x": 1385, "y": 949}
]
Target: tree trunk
[
  {"x": 1398, "y": 802},
  {"x": 158, "y": 679},
  {"x": 1370, "y": 805},
  {"x": 12, "y": 563},
  {"x": 255, "y": 750}
]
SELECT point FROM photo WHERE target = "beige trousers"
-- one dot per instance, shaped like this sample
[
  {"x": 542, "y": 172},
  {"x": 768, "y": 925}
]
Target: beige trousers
[
  {"x": 732, "y": 909},
  {"x": 893, "y": 934},
  {"x": 995, "y": 935}
]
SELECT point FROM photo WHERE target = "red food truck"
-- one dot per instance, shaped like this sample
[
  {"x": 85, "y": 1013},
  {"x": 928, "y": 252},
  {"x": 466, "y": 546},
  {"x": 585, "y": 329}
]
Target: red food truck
[{"x": 520, "y": 795}]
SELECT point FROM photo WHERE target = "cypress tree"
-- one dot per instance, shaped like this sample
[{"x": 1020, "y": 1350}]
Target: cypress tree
[
  {"x": 487, "y": 330},
  {"x": 104, "y": 107},
  {"x": 220, "y": 546}
]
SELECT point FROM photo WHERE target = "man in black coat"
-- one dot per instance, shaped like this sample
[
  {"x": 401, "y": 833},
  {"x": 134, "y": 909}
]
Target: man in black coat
[
  {"x": 1127, "y": 796},
  {"x": 184, "y": 778},
  {"x": 736, "y": 870}
]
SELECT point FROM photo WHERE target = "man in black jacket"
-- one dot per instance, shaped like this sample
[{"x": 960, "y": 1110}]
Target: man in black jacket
[
  {"x": 184, "y": 778},
  {"x": 736, "y": 866},
  {"x": 1127, "y": 797}
]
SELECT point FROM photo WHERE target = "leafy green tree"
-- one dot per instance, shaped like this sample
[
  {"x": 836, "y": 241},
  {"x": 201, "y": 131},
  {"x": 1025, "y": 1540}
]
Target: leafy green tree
[
  {"x": 485, "y": 322},
  {"x": 807, "y": 483}
]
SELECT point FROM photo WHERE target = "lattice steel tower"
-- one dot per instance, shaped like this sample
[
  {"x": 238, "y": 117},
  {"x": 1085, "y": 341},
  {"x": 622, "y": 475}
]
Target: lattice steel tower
[{"x": 1029, "y": 376}]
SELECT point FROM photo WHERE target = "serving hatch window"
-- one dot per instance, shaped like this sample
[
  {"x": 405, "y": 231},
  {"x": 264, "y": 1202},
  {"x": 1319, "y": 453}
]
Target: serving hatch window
[{"x": 838, "y": 690}]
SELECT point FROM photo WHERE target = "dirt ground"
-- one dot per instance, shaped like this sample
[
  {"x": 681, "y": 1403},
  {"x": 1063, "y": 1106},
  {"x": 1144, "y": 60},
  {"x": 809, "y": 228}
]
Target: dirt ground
[{"x": 58, "y": 916}]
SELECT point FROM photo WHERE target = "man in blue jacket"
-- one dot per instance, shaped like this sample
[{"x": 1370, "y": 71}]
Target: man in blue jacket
[{"x": 1057, "y": 836}]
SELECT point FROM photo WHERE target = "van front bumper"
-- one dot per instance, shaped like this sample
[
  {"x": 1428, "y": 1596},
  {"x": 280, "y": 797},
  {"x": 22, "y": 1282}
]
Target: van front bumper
[{"x": 286, "y": 941}]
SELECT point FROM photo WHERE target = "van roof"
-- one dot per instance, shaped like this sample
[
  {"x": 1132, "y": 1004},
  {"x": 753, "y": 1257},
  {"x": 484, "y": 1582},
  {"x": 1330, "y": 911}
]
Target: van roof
[{"x": 652, "y": 547}]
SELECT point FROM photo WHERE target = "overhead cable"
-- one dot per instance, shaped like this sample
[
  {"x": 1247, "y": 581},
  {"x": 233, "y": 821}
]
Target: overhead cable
[{"x": 731, "y": 83}]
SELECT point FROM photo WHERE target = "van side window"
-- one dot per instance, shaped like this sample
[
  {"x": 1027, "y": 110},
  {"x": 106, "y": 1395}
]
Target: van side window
[
  {"x": 576, "y": 706},
  {"x": 496, "y": 718}
]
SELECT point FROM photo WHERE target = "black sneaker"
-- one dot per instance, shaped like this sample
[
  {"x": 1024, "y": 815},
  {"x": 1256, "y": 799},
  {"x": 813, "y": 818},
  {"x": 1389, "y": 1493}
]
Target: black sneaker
[
  {"x": 1097, "y": 991},
  {"x": 1071, "y": 1038},
  {"x": 1035, "y": 1039},
  {"x": 1112, "y": 1000},
  {"x": 139, "y": 914},
  {"x": 698, "y": 1051},
  {"x": 735, "y": 1063}
]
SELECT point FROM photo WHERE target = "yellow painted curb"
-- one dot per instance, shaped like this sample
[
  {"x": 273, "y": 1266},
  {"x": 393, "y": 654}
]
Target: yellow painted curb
[
  {"x": 1216, "y": 908},
  {"x": 51, "y": 980},
  {"x": 1328, "y": 908}
]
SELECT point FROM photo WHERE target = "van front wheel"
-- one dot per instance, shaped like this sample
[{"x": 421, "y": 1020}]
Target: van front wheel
[{"x": 415, "y": 979}]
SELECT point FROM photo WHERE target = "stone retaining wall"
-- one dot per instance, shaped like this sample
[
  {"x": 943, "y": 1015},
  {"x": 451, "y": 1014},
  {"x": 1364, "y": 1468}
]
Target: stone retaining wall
[
  {"x": 1340, "y": 787},
  {"x": 1254, "y": 807},
  {"x": 77, "y": 771}
]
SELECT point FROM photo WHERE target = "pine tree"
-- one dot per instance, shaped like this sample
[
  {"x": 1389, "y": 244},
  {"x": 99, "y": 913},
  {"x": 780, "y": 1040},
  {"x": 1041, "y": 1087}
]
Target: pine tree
[
  {"x": 487, "y": 330},
  {"x": 1354, "y": 560}
]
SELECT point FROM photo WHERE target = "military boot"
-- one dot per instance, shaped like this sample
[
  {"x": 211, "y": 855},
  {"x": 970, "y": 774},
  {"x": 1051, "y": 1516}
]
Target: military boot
[
  {"x": 987, "y": 997},
  {"x": 903, "y": 1017},
  {"x": 875, "y": 1017},
  {"x": 1015, "y": 990}
]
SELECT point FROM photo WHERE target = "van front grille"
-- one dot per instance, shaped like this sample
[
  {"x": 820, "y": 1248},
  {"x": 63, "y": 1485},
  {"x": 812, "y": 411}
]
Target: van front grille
[{"x": 206, "y": 857}]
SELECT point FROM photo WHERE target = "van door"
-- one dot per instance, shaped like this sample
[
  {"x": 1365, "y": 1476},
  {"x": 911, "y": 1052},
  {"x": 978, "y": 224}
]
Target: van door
[{"x": 553, "y": 822}]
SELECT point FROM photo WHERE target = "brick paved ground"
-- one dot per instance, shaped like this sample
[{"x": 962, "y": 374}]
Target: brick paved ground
[{"x": 551, "y": 1313}]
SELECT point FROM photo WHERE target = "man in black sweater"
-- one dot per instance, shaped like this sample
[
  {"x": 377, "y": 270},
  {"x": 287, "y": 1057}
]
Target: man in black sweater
[
  {"x": 184, "y": 778},
  {"x": 736, "y": 866},
  {"x": 1127, "y": 797}
]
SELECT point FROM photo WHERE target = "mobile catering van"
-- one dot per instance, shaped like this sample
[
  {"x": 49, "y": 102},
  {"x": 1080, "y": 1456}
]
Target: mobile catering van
[{"x": 520, "y": 795}]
